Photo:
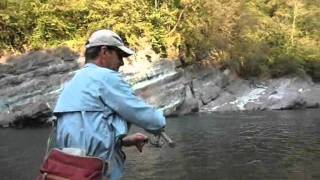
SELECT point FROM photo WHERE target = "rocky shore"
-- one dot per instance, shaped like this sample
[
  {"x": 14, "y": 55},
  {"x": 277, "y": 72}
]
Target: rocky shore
[{"x": 30, "y": 84}]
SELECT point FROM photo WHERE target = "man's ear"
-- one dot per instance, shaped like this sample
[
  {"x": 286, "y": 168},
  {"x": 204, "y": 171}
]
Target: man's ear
[{"x": 104, "y": 50}]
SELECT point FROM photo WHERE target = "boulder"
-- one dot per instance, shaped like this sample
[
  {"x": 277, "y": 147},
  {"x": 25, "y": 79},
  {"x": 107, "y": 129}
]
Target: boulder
[{"x": 32, "y": 114}]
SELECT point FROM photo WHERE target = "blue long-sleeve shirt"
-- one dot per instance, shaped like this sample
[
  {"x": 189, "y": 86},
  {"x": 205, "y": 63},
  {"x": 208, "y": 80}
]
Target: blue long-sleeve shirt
[{"x": 95, "y": 109}]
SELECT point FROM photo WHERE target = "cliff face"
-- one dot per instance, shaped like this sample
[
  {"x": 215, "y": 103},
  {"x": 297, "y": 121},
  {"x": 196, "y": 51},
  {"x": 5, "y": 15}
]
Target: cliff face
[
  {"x": 181, "y": 91},
  {"x": 30, "y": 84}
]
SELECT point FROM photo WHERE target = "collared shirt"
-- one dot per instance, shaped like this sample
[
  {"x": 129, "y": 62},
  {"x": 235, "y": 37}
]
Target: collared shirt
[{"x": 95, "y": 109}]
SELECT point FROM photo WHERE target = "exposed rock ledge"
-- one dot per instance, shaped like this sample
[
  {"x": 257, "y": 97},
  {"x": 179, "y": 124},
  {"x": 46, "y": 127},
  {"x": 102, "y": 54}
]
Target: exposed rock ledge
[{"x": 29, "y": 86}]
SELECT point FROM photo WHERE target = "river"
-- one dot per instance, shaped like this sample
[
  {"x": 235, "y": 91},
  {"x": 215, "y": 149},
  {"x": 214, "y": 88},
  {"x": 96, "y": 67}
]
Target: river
[{"x": 270, "y": 145}]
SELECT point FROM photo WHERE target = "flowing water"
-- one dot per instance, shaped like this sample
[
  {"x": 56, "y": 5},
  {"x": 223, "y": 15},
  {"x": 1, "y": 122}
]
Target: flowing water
[{"x": 272, "y": 145}]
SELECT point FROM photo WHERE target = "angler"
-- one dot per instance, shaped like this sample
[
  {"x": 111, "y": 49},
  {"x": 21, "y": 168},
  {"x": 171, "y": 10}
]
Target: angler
[{"x": 94, "y": 113}]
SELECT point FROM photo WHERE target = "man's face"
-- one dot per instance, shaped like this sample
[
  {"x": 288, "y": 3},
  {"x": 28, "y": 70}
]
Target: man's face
[{"x": 112, "y": 59}]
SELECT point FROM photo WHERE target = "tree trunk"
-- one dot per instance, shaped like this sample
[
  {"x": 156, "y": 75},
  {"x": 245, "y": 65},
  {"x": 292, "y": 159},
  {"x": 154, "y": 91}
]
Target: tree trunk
[{"x": 295, "y": 12}]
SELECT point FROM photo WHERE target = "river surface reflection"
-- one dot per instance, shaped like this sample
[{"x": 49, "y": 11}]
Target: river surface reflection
[{"x": 272, "y": 145}]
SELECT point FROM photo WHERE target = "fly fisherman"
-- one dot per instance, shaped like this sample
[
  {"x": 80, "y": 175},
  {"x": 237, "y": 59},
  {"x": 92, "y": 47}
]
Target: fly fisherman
[{"x": 97, "y": 107}]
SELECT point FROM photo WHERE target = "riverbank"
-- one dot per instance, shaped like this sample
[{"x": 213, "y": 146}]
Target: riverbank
[{"x": 31, "y": 83}]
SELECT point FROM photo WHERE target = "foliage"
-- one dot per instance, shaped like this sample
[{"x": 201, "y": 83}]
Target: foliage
[{"x": 265, "y": 38}]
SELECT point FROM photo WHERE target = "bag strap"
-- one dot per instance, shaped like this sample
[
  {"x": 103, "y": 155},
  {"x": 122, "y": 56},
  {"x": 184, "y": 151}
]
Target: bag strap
[{"x": 52, "y": 136}]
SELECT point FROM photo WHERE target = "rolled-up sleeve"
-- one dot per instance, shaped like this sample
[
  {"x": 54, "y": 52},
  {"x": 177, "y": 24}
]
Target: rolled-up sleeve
[{"x": 118, "y": 95}]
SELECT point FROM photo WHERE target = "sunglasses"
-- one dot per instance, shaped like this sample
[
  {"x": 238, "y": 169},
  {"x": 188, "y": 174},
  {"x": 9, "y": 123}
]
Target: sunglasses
[{"x": 119, "y": 53}]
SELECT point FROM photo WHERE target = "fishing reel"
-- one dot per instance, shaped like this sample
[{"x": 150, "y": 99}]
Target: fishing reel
[{"x": 160, "y": 139}]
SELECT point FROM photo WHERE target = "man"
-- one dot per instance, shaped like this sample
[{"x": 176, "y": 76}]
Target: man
[{"x": 96, "y": 108}]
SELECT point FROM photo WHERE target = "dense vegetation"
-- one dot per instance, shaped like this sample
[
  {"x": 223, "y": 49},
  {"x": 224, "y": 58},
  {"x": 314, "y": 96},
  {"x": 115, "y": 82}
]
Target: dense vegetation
[{"x": 263, "y": 38}]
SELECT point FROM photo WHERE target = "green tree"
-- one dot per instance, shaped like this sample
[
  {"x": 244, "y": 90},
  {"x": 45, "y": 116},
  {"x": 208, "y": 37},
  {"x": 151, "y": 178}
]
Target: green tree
[{"x": 264, "y": 38}]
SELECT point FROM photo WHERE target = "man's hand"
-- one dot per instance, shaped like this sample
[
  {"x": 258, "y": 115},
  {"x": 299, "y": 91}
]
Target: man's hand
[{"x": 137, "y": 139}]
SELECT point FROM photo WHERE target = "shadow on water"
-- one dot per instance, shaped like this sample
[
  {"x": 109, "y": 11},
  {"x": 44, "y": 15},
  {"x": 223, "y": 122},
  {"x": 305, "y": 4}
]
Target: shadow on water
[
  {"x": 225, "y": 146},
  {"x": 21, "y": 151}
]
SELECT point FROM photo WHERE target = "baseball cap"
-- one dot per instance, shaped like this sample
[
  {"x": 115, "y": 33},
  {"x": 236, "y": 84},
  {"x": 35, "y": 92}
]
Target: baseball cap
[{"x": 108, "y": 38}]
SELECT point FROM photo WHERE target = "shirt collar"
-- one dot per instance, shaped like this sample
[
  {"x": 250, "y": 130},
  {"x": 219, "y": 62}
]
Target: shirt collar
[
  {"x": 96, "y": 66},
  {"x": 90, "y": 65}
]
